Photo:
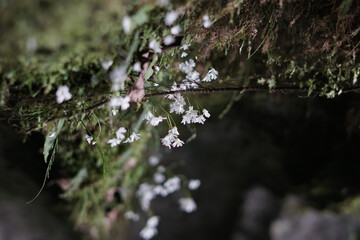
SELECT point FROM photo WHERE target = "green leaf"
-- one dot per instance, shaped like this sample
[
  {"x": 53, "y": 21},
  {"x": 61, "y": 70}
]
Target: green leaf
[
  {"x": 47, "y": 174},
  {"x": 50, "y": 139}
]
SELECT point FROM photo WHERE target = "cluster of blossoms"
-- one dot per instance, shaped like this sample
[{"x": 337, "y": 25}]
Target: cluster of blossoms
[
  {"x": 122, "y": 102},
  {"x": 150, "y": 230},
  {"x": 207, "y": 23},
  {"x": 152, "y": 120},
  {"x": 90, "y": 139},
  {"x": 172, "y": 139},
  {"x": 120, "y": 137},
  {"x": 192, "y": 116},
  {"x": 63, "y": 94}
]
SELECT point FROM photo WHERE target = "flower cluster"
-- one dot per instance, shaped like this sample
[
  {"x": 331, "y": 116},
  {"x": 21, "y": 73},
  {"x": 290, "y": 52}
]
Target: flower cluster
[
  {"x": 172, "y": 139},
  {"x": 150, "y": 230},
  {"x": 152, "y": 120},
  {"x": 63, "y": 94},
  {"x": 119, "y": 137},
  {"x": 90, "y": 139},
  {"x": 122, "y": 102},
  {"x": 192, "y": 116}
]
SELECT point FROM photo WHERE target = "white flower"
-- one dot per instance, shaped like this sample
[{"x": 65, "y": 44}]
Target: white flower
[
  {"x": 106, "y": 64},
  {"x": 177, "y": 107},
  {"x": 120, "y": 133},
  {"x": 154, "y": 45},
  {"x": 52, "y": 135},
  {"x": 148, "y": 233},
  {"x": 146, "y": 194},
  {"x": 114, "y": 112},
  {"x": 152, "y": 120},
  {"x": 171, "y": 17},
  {"x": 154, "y": 160},
  {"x": 175, "y": 30},
  {"x": 153, "y": 222},
  {"x": 194, "y": 184},
  {"x": 132, "y": 216},
  {"x": 187, "y": 66},
  {"x": 172, "y": 184},
  {"x": 133, "y": 137},
  {"x": 114, "y": 142},
  {"x": 185, "y": 46},
  {"x": 191, "y": 116},
  {"x": 126, "y": 24},
  {"x": 193, "y": 76},
  {"x": 156, "y": 84},
  {"x": 169, "y": 39},
  {"x": 206, "y": 113},
  {"x": 159, "y": 177},
  {"x": 207, "y": 23},
  {"x": 157, "y": 68},
  {"x": 137, "y": 67},
  {"x": 187, "y": 205},
  {"x": 123, "y": 102},
  {"x": 200, "y": 119},
  {"x": 177, "y": 143},
  {"x": 184, "y": 54},
  {"x": 211, "y": 75},
  {"x": 118, "y": 77},
  {"x": 89, "y": 139},
  {"x": 166, "y": 141},
  {"x": 63, "y": 94}
]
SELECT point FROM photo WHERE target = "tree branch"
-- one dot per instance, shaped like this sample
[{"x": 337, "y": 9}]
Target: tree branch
[{"x": 199, "y": 91}]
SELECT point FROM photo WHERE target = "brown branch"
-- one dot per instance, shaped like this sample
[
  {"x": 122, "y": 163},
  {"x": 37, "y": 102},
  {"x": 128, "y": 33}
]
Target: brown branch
[{"x": 199, "y": 91}]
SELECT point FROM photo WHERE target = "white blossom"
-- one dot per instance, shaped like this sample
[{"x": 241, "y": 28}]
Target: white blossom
[
  {"x": 106, "y": 64},
  {"x": 169, "y": 39},
  {"x": 148, "y": 233},
  {"x": 206, "y": 113},
  {"x": 200, "y": 119},
  {"x": 120, "y": 133},
  {"x": 146, "y": 194},
  {"x": 177, "y": 143},
  {"x": 137, "y": 67},
  {"x": 53, "y": 134},
  {"x": 193, "y": 76},
  {"x": 175, "y": 30},
  {"x": 118, "y": 77},
  {"x": 166, "y": 141},
  {"x": 154, "y": 45},
  {"x": 207, "y": 23},
  {"x": 154, "y": 160},
  {"x": 153, "y": 222},
  {"x": 194, "y": 184},
  {"x": 63, "y": 94},
  {"x": 171, "y": 17},
  {"x": 187, "y": 205},
  {"x": 126, "y": 24},
  {"x": 211, "y": 75},
  {"x": 152, "y": 120},
  {"x": 184, "y": 54},
  {"x": 187, "y": 66},
  {"x": 133, "y": 137},
  {"x": 114, "y": 142},
  {"x": 122, "y": 102},
  {"x": 159, "y": 178},
  {"x": 114, "y": 112},
  {"x": 89, "y": 139},
  {"x": 172, "y": 184},
  {"x": 185, "y": 46},
  {"x": 132, "y": 216},
  {"x": 190, "y": 116}
]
